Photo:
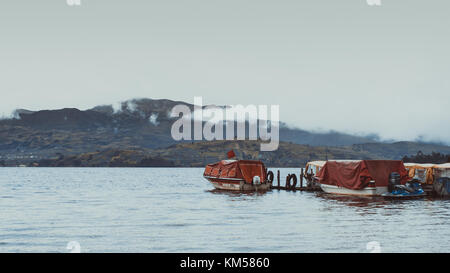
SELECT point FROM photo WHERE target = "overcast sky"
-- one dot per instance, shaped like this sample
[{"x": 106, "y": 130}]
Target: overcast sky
[{"x": 341, "y": 65}]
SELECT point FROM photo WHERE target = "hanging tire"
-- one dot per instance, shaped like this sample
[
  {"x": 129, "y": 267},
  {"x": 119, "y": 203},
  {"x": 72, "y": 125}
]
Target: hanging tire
[
  {"x": 289, "y": 178},
  {"x": 270, "y": 177},
  {"x": 294, "y": 183}
]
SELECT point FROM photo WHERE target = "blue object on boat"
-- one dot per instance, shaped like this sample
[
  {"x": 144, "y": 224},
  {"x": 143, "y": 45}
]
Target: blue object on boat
[{"x": 412, "y": 189}]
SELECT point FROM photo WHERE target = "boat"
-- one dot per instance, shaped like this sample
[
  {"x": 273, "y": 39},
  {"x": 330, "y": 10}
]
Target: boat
[
  {"x": 238, "y": 175},
  {"x": 435, "y": 178},
  {"x": 311, "y": 170},
  {"x": 359, "y": 177},
  {"x": 441, "y": 183}
]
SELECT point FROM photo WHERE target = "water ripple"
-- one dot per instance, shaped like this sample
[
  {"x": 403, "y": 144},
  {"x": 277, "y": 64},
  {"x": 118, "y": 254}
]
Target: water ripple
[{"x": 176, "y": 210}]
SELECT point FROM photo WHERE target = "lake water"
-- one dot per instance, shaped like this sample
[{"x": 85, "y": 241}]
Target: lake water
[{"x": 176, "y": 210}]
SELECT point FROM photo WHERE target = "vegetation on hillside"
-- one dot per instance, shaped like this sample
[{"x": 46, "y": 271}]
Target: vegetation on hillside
[{"x": 436, "y": 158}]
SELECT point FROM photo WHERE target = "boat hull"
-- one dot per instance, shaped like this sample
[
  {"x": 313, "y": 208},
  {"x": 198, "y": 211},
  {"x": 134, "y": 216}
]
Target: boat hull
[
  {"x": 236, "y": 184},
  {"x": 368, "y": 191}
]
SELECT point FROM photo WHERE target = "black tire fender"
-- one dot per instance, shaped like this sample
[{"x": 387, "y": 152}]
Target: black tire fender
[
  {"x": 290, "y": 177},
  {"x": 270, "y": 177}
]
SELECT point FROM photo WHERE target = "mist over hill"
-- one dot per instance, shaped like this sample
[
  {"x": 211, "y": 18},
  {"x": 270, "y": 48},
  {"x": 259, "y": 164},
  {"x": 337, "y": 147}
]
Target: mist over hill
[{"x": 145, "y": 124}]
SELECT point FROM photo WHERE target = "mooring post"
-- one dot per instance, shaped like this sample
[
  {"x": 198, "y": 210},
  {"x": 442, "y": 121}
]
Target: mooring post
[
  {"x": 278, "y": 179},
  {"x": 295, "y": 182},
  {"x": 301, "y": 178}
]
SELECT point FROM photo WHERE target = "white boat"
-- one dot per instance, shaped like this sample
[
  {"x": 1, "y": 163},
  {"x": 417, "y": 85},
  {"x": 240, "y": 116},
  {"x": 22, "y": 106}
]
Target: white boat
[
  {"x": 357, "y": 177},
  {"x": 311, "y": 170}
]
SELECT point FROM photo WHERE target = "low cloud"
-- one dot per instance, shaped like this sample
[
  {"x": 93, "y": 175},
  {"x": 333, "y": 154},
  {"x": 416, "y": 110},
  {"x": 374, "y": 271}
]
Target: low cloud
[
  {"x": 13, "y": 115},
  {"x": 154, "y": 119}
]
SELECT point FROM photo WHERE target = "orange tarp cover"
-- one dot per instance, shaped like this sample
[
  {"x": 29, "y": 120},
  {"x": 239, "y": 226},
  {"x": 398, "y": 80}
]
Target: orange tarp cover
[
  {"x": 431, "y": 171},
  {"x": 428, "y": 172},
  {"x": 249, "y": 169},
  {"x": 356, "y": 175},
  {"x": 245, "y": 169}
]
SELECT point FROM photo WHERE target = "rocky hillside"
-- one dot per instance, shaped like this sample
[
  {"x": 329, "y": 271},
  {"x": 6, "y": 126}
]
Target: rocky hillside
[
  {"x": 138, "y": 123},
  {"x": 397, "y": 150},
  {"x": 201, "y": 153},
  {"x": 108, "y": 158},
  {"x": 287, "y": 155},
  {"x": 145, "y": 125}
]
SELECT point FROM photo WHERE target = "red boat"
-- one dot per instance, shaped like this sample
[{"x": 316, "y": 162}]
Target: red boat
[
  {"x": 359, "y": 177},
  {"x": 238, "y": 175}
]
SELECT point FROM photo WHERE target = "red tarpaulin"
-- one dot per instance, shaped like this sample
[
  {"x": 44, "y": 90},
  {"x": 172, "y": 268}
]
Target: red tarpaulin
[
  {"x": 356, "y": 175},
  {"x": 245, "y": 169}
]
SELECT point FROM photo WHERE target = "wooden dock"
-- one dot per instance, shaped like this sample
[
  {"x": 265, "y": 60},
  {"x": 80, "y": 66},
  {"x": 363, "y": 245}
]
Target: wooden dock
[{"x": 291, "y": 183}]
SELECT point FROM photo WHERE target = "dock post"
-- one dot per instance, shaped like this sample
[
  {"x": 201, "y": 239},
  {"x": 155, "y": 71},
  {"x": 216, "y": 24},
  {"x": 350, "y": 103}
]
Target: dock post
[
  {"x": 301, "y": 178},
  {"x": 278, "y": 179}
]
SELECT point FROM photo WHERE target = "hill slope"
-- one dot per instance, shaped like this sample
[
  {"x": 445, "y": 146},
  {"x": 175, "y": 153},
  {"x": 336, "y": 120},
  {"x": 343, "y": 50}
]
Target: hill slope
[
  {"x": 201, "y": 153},
  {"x": 144, "y": 124}
]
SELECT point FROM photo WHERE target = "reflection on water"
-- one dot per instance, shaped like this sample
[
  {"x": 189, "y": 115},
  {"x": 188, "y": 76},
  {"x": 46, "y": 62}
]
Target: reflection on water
[
  {"x": 377, "y": 201},
  {"x": 236, "y": 193},
  {"x": 176, "y": 210},
  {"x": 356, "y": 201}
]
